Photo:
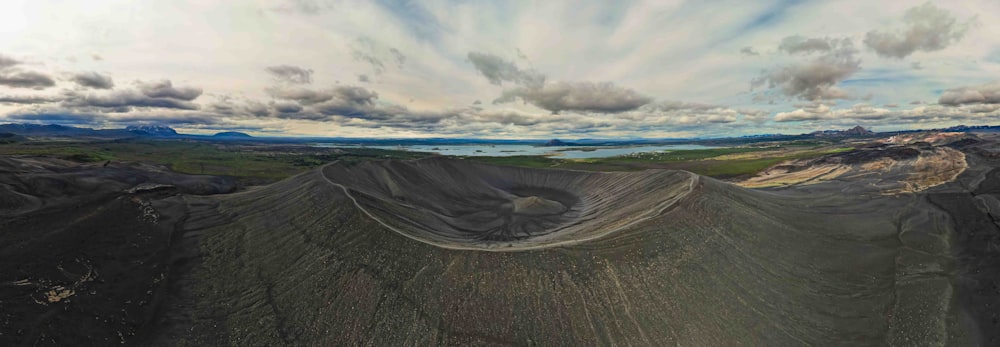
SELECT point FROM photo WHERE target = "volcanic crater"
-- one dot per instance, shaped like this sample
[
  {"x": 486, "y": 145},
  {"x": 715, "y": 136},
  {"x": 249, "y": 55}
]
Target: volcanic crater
[{"x": 463, "y": 205}]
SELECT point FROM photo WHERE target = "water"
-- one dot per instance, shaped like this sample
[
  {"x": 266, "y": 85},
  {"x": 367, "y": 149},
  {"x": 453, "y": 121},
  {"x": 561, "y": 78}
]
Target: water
[{"x": 565, "y": 152}]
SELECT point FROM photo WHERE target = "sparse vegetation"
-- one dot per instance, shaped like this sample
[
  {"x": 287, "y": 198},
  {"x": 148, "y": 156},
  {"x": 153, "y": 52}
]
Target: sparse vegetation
[
  {"x": 250, "y": 164},
  {"x": 714, "y": 162},
  {"x": 266, "y": 163}
]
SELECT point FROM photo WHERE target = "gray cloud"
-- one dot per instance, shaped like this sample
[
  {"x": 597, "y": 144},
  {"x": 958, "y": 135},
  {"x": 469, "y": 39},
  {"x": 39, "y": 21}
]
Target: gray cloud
[
  {"x": 363, "y": 78},
  {"x": 290, "y": 74},
  {"x": 689, "y": 114},
  {"x": 6, "y": 61},
  {"x": 928, "y": 28},
  {"x": 817, "y": 111},
  {"x": 93, "y": 80},
  {"x": 301, "y": 95},
  {"x": 817, "y": 79},
  {"x": 27, "y": 99},
  {"x": 398, "y": 57},
  {"x": 309, "y": 7},
  {"x": 498, "y": 70},
  {"x": 749, "y": 51},
  {"x": 353, "y": 106},
  {"x": 798, "y": 44},
  {"x": 122, "y": 101},
  {"x": 366, "y": 50},
  {"x": 57, "y": 118},
  {"x": 170, "y": 120},
  {"x": 287, "y": 107},
  {"x": 166, "y": 89},
  {"x": 554, "y": 96},
  {"x": 14, "y": 78},
  {"x": 578, "y": 96},
  {"x": 340, "y": 100},
  {"x": 510, "y": 118},
  {"x": 982, "y": 94},
  {"x": 233, "y": 107}
]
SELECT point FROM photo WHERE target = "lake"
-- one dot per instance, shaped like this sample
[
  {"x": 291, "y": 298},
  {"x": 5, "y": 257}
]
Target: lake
[{"x": 566, "y": 152}]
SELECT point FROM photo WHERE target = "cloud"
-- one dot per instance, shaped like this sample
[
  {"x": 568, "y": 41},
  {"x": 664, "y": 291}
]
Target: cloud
[
  {"x": 169, "y": 120},
  {"x": 166, "y": 89},
  {"x": 287, "y": 107},
  {"x": 15, "y": 78},
  {"x": 803, "y": 45},
  {"x": 686, "y": 113},
  {"x": 366, "y": 50},
  {"x": 928, "y": 28},
  {"x": 811, "y": 112},
  {"x": 310, "y": 7},
  {"x": 816, "y": 79},
  {"x": 301, "y": 95},
  {"x": 510, "y": 118},
  {"x": 27, "y": 99},
  {"x": 364, "y": 78},
  {"x": 124, "y": 100},
  {"x": 578, "y": 96},
  {"x": 6, "y": 61},
  {"x": 340, "y": 95},
  {"x": 498, "y": 70},
  {"x": 868, "y": 115},
  {"x": 988, "y": 93},
  {"x": 290, "y": 74},
  {"x": 749, "y": 51},
  {"x": 93, "y": 80},
  {"x": 55, "y": 118},
  {"x": 397, "y": 57},
  {"x": 96, "y": 57}
]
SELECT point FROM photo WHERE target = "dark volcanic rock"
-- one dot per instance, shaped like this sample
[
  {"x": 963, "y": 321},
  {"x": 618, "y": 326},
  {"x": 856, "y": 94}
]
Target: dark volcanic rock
[
  {"x": 457, "y": 204},
  {"x": 448, "y": 252},
  {"x": 86, "y": 260},
  {"x": 424, "y": 252}
]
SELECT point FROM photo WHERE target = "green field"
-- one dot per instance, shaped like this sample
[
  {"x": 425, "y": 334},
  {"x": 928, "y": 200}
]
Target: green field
[{"x": 266, "y": 163}]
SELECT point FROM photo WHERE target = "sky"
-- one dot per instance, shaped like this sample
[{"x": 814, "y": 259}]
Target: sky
[{"x": 498, "y": 69}]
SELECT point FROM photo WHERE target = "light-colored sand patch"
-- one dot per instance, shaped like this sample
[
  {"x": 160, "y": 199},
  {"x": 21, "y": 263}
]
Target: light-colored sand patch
[
  {"x": 59, "y": 293},
  {"x": 931, "y": 168},
  {"x": 935, "y": 168},
  {"x": 783, "y": 177}
]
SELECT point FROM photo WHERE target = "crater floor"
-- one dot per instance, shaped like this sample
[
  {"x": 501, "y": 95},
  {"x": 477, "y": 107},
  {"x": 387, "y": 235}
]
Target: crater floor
[{"x": 455, "y": 204}]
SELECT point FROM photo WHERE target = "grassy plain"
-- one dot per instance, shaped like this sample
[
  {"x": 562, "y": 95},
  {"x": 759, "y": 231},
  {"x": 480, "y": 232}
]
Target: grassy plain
[
  {"x": 714, "y": 162},
  {"x": 265, "y": 163}
]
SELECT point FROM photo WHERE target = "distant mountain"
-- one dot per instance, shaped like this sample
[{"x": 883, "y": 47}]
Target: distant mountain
[
  {"x": 852, "y": 132},
  {"x": 151, "y": 130},
  {"x": 557, "y": 142},
  {"x": 45, "y": 130},
  {"x": 54, "y": 130},
  {"x": 232, "y": 134},
  {"x": 966, "y": 128}
]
